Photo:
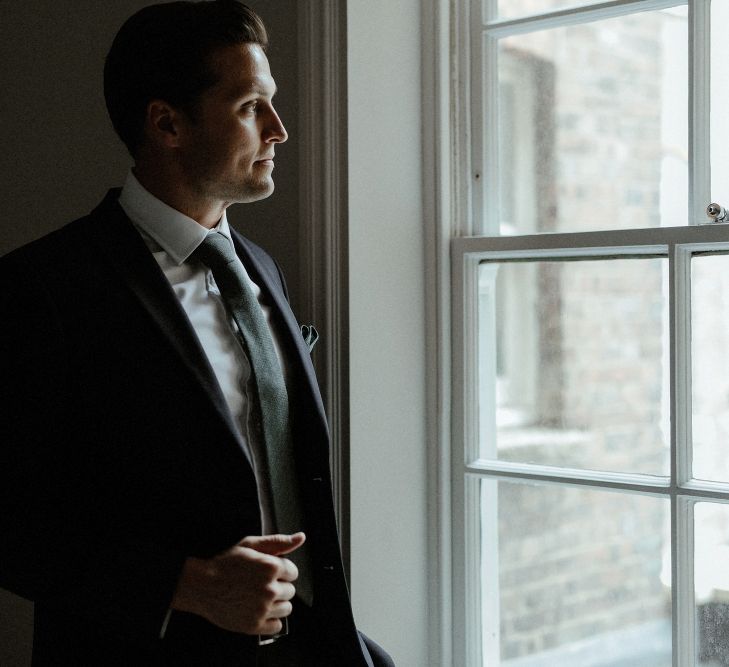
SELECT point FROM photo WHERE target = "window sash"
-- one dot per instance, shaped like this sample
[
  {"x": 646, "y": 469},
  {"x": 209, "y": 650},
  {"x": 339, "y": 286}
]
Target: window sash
[
  {"x": 474, "y": 210},
  {"x": 569, "y": 15},
  {"x": 482, "y": 61},
  {"x": 479, "y": 634}
]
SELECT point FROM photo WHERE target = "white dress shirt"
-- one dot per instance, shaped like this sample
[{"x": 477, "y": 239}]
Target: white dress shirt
[{"x": 172, "y": 237}]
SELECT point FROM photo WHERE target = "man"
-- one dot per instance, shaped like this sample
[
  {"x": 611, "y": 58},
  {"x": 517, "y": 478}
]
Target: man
[{"x": 163, "y": 449}]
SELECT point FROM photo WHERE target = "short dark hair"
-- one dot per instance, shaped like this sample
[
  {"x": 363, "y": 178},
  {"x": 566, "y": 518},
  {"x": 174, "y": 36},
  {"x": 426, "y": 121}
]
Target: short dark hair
[{"x": 163, "y": 52}]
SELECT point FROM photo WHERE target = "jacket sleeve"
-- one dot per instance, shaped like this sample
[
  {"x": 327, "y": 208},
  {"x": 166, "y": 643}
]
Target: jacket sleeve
[
  {"x": 55, "y": 547},
  {"x": 32, "y": 428}
]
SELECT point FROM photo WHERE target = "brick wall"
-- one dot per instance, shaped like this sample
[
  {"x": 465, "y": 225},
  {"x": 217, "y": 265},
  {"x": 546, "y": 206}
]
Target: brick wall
[{"x": 575, "y": 563}]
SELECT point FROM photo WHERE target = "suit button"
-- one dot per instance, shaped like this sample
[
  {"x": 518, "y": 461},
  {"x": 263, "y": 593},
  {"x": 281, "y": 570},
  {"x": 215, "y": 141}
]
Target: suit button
[
  {"x": 328, "y": 568},
  {"x": 317, "y": 479}
]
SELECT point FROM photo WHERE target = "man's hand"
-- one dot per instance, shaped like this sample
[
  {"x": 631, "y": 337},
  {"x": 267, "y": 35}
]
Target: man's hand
[{"x": 247, "y": 588}]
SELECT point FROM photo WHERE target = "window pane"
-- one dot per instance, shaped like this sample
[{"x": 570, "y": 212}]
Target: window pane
[
  {"x": 710, "y": 366},
  {"x": 584, "y": 577},
  {"x": 719, "y": 104},
  {"x": 573, "y": 364},
  {"x": 514, "y": 8},
  {"x": 593, "y": 129},
  {"x": 711, "y": 577}
]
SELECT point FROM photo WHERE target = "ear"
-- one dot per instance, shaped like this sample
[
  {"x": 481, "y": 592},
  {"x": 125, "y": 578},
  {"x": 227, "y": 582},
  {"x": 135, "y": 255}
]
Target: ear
[{"x": 163, "y": 124}]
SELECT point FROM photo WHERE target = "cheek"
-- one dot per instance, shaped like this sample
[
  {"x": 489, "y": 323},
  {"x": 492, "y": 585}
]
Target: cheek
[{"x": 245, "y": 140}]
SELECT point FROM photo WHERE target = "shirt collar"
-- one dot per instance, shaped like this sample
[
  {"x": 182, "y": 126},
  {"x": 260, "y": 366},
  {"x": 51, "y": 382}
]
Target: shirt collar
[{"x": 177, "y": 234}]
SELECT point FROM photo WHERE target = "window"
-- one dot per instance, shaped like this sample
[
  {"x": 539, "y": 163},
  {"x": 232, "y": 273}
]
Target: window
[{"x": 590, "y": 335}]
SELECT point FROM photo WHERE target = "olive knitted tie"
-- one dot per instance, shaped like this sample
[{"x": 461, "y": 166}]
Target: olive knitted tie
[{"x": 269, "y": 404}]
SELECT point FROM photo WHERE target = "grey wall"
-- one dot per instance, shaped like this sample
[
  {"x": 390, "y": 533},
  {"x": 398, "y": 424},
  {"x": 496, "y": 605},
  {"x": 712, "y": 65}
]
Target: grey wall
[{"x": 59, "y": 153}]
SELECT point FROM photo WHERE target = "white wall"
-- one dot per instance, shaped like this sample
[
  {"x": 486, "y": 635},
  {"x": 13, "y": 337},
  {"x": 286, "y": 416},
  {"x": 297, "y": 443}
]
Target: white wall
[{"x": 387, "y": 327}]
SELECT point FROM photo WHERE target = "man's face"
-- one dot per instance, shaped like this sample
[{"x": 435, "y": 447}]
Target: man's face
[{"x": 226, "y": 153}]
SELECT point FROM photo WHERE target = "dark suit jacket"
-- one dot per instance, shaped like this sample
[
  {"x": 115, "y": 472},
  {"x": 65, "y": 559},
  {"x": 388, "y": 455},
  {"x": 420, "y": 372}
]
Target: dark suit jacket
[{"x": 118, "y": 457}]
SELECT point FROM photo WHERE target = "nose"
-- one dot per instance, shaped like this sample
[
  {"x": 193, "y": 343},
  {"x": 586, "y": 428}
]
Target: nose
[{"x": 275, "y": 132}]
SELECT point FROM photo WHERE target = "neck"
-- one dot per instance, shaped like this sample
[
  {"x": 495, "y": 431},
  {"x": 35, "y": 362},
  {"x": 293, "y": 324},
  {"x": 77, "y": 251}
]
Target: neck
[{"x": 174, "y": 193}]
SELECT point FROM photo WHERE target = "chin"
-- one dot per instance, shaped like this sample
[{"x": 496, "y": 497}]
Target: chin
[{"x": 256, "y": 192}]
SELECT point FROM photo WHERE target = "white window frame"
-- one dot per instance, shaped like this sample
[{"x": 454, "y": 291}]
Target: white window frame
[
  {"x": 461, "y": 190},
  {"x": 483, "y": 43},
  {"x": 678, "y": 245}
]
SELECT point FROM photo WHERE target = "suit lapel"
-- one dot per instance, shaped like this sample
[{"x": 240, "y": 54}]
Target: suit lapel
[
  {"x": 115, "y": 237},
  {"x": 123, "y": 247},
  {"x": 298, "y": 352}
]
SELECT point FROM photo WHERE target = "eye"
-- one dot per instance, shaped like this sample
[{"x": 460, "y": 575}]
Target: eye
[{"x": 249, "y": 107}]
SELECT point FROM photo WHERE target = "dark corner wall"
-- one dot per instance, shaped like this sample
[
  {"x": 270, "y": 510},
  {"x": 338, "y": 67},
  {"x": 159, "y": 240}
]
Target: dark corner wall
[
  {"x": 273, "y": 222},
  {"x": 60, "y": 155}
]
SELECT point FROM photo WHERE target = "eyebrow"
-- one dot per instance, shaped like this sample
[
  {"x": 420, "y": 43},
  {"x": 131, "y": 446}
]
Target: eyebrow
[{"x": 255, "y": 89}]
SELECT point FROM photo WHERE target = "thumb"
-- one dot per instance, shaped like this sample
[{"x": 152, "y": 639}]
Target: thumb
[{"x": 274, "y": 545}]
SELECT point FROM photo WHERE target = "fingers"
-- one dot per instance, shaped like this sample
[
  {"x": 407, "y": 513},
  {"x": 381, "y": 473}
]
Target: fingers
[
  {"x": 274, "y": 545},
  {"x": 247, "y": 588},
  {"x": 285, "y": 593},
  {"x": 269, "y": 568},
  {"x": 289, "y": 571},
  {"x": 281, "y": 609},
  {"x": 273, "y": 623},
  {"x": 270, "y": 623},
  {"x": 271, "y": 626},
  {"x": 278, "y": 577}
]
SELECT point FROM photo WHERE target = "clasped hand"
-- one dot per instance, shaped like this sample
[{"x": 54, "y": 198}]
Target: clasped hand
[{"x": 247, "y": 588}]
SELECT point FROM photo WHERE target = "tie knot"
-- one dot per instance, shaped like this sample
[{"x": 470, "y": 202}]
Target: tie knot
[{"x": 215, "y": 251}]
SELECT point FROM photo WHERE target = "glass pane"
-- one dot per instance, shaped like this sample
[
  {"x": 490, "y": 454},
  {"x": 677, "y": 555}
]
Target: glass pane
[
  {"x": 574, "y": 364},
  {"x": 584, "y": 577},
  {"x": 710, "y": 366},
  {"x": 593, "y": 125},
  {"x": 513, "y": 8},
  {"x": 711, "y": 577},
  {"x": 719, "y": 104}
]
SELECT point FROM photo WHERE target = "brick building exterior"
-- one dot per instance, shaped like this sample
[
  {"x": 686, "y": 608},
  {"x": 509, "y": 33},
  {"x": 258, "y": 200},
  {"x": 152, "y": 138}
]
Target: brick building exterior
[{"x": 576, "y": 564}]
